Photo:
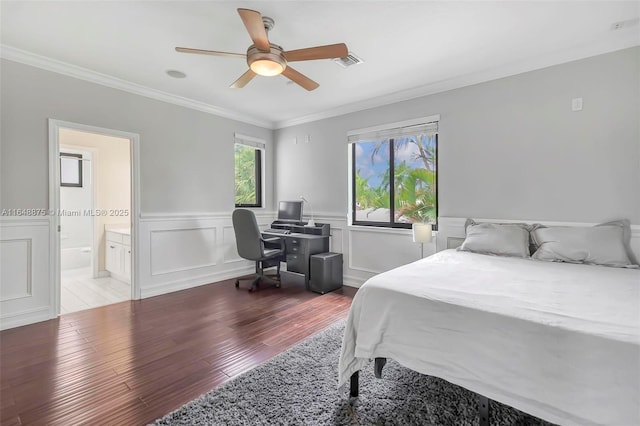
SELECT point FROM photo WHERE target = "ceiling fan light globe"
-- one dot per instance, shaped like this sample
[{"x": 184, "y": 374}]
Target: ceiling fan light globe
[
  {"x": 267, "y": 64},
  {"x": 267, "y": 67}
]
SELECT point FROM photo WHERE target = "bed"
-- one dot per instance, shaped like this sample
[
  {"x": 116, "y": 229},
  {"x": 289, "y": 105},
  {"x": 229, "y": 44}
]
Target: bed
[{"x": 559, "y": 341}]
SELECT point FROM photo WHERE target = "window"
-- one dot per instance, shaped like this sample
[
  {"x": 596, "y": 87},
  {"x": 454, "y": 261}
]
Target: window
[
  {"x": 394, "y": 175},
  {"x": 248, "y": 172},
  {"x": 70, "y": 169}
]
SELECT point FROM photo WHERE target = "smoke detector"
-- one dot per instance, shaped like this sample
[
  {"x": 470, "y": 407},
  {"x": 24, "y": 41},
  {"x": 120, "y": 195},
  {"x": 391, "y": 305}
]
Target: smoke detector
[{"x": 349, "y": 60}]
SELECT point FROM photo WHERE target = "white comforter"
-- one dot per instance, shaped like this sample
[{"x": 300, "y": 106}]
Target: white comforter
[{"x": 559, "y": 341}]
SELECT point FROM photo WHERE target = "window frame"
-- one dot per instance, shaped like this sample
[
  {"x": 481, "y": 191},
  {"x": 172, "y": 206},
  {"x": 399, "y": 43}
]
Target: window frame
[
  {"x": 391, "y": 224},
  {"x": 259, "y": 175},
  {"x": 65, "y": 156}
]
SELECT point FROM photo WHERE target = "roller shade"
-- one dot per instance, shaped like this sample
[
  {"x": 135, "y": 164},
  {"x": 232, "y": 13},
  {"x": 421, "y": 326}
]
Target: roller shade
[
  {"x": 249, "y": 141},
  {"x": 392, "y": 132}
]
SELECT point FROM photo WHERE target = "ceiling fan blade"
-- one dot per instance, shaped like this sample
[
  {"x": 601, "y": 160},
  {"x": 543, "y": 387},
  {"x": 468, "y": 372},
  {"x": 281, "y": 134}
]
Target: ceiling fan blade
[
  {"x": 319, "y": 52},
  {"x": 243, "y": 80},
  {"x": 253, "y": 22},
  {"x": 210, "y": 52},
  {"x": 300, "y": 79}
]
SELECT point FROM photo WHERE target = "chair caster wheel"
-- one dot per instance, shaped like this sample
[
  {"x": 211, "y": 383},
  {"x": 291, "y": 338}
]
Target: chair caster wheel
[
  {"x": 237, "y": 283},
  {"x": 278, "y": 285}
]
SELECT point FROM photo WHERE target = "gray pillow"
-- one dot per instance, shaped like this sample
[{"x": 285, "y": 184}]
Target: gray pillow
[
  {"x": 607, "y": 244},
  {"x": 501, "y": 239}
]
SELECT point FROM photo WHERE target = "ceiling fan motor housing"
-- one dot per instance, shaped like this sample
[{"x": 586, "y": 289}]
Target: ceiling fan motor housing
[{"x": 266, "y": 63}]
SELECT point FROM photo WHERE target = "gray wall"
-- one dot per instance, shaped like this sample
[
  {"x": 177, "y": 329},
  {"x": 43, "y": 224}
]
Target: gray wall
[
  {"x": 510, "y": 148},
  {"x": 186, "y": 156}
]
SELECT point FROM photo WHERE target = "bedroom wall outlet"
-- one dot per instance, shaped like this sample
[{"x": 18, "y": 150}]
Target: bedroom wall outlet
[{"x": 576, "y": 104}]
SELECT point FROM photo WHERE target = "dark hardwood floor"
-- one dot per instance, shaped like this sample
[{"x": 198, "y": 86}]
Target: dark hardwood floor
[{"x": 133, "y": 362}]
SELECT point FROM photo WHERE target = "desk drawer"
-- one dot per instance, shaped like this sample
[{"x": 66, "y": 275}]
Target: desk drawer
[
  {"x": 294, "y": 249},
  {"x": 295, "y": 263},
  {"x": 294, "y": 245},
  {"x": 294, "y": 241}
]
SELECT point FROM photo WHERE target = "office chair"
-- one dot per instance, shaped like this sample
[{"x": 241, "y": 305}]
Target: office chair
[{"x": 251, "y": 245}]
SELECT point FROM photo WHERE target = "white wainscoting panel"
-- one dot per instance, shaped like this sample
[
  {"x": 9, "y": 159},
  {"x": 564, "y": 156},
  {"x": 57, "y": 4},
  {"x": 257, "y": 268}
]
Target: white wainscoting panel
[
  {"x": 15, "y": 274},
  {"x": 229, "y": 250},
  {"x": 181, "y": 249},
  {"x": 375, "y": 251},
  {"x": 26, "y": 292}
]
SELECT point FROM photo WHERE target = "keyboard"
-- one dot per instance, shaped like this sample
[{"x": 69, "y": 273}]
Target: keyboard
[{"x": 277, "y": 231}]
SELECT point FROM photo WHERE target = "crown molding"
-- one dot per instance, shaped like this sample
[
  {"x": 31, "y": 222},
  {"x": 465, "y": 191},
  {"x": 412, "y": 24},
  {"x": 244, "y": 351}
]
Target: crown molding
[
  {"x": 544, "y": 61},
  {"x": 24, "y": 57}
]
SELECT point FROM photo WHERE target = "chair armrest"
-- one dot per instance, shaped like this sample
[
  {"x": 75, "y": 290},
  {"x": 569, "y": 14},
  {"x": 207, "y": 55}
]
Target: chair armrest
[{"x": 273, "y": 240}]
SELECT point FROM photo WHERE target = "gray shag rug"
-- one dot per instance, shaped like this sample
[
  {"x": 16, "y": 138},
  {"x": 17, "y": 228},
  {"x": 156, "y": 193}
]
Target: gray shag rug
[{"x": 299, "y": 387}]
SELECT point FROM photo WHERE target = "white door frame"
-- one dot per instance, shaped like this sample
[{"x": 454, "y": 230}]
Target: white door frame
[{"x": 54, "y": 202}]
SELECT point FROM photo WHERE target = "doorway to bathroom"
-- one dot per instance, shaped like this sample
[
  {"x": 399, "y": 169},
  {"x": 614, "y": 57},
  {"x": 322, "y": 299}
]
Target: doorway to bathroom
[{"x": 93, "y": 197}]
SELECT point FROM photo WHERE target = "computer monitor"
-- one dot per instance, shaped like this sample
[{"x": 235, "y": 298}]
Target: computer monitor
[{"x": 290, "y": 211}]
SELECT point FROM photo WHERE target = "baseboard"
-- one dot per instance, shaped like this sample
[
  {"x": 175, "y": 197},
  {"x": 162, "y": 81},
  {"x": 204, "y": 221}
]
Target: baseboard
[
  {"x": 103, "y": 274},
  {"x": 25, "y": 317},
  {"x": 182, "y": 284},
  {"x": 351, "y": 281}
]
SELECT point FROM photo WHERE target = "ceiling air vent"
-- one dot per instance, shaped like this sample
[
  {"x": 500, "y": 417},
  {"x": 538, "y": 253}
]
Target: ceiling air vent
[{"x": 349, "y": 60}]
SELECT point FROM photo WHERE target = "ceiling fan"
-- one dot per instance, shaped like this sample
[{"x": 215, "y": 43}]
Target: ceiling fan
[{"x": 268, "y": 59}]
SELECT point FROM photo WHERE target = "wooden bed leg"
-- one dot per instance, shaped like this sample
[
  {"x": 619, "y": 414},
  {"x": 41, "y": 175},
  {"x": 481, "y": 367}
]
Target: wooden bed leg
[
  {"x": 483, "y": 410},
  {"x": 354, "y": 384},
  {"x": 378, "y": 365}
]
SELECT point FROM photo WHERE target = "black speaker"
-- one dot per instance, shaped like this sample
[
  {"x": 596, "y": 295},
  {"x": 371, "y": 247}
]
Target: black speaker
[{"x": 326, "y": 272}]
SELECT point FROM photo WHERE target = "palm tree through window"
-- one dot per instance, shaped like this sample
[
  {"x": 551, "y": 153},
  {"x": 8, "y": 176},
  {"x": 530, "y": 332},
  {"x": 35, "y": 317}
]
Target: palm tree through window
[{"x": 395, "y": 180}]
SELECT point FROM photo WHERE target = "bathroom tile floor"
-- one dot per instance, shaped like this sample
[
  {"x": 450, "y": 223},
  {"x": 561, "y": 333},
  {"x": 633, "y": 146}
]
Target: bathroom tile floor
[{"x": 80, "y": 291}]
